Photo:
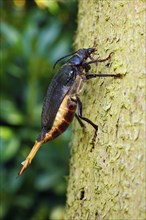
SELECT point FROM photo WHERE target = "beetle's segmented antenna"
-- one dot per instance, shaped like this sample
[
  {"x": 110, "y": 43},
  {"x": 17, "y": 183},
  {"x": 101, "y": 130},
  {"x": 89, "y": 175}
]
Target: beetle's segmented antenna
[{"x": 63, "y": 58}]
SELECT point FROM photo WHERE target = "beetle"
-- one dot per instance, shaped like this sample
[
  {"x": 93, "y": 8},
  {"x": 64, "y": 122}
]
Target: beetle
[{"x": 62, "y": 98}]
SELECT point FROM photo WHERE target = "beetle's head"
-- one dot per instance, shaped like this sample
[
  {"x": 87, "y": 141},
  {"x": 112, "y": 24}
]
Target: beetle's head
[
  {"x": 85, "y": 53},
  {"x": 80, "y": 55},
  {"x": 90, "y": 51}
]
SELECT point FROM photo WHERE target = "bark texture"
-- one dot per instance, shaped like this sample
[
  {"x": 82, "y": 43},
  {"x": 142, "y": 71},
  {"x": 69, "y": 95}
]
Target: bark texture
[{"x": 107, "y": 181}]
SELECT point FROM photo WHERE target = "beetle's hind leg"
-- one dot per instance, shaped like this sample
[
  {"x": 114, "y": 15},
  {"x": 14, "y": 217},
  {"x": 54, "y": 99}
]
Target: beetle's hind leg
[
  {"x": 80, "y": 121},
  {"x": 80, "y": 118}
]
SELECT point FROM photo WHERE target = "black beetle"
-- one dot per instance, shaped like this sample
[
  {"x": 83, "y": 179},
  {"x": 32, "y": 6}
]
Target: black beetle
[{"x": 62, "y": 98}]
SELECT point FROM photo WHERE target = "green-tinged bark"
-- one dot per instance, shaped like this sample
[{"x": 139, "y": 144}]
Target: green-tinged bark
[{"x": 107, "y": 182}]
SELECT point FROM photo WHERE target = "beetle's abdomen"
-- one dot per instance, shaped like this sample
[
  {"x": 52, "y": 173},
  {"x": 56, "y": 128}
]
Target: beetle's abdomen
[{"x": 63, "y": 118}]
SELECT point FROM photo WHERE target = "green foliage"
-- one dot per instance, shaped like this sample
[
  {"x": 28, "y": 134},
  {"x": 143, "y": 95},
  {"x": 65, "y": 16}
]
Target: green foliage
[{"x": 32, "y": 39}]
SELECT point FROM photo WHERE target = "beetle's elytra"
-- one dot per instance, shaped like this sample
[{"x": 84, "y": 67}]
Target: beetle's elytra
[{"x": 62, "y": 98}]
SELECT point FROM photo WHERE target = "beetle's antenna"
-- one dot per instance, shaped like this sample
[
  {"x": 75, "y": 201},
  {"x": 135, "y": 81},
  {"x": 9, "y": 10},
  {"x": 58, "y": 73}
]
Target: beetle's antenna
[{"x": 63, "y": 58}]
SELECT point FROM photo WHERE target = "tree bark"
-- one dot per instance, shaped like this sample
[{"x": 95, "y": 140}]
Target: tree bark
[{"x": 107, "y": 181}]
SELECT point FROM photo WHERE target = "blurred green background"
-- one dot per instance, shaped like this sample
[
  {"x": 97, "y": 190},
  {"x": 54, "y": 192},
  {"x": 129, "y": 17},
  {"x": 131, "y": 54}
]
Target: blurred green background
[{"x": 34, "y": 34}]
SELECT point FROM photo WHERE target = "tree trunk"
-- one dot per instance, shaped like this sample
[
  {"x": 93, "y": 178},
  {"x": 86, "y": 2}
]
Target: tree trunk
[{"x": 107, "y": 181}]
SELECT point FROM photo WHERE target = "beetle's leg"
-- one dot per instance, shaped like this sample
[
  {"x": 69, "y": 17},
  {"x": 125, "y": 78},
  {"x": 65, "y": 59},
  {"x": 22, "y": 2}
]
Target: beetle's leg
[
  {"x": 86, "y": 67},
  {"x": 79, "y": 114},
  {"x": 90, "y": 76},
  {"x": 80, "y": 121},
  {"x": 100, "y": 60}
]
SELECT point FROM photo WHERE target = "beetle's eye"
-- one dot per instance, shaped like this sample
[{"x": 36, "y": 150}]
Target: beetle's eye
[{"x": 91, "y": 50}]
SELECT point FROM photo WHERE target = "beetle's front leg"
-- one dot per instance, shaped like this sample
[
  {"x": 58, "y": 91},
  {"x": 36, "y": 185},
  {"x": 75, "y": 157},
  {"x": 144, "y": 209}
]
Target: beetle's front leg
[
  {"x": 99, "y": 60},
  {"x": 79, "y": 115}
]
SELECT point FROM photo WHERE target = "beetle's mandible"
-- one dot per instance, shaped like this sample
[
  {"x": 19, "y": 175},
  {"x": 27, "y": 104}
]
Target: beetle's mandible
[{"x": 62, "y": 98}]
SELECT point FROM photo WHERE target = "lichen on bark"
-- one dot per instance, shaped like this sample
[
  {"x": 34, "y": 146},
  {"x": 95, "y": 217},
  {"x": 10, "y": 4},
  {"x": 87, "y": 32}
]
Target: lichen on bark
[{"x": 107, "y": 182}]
